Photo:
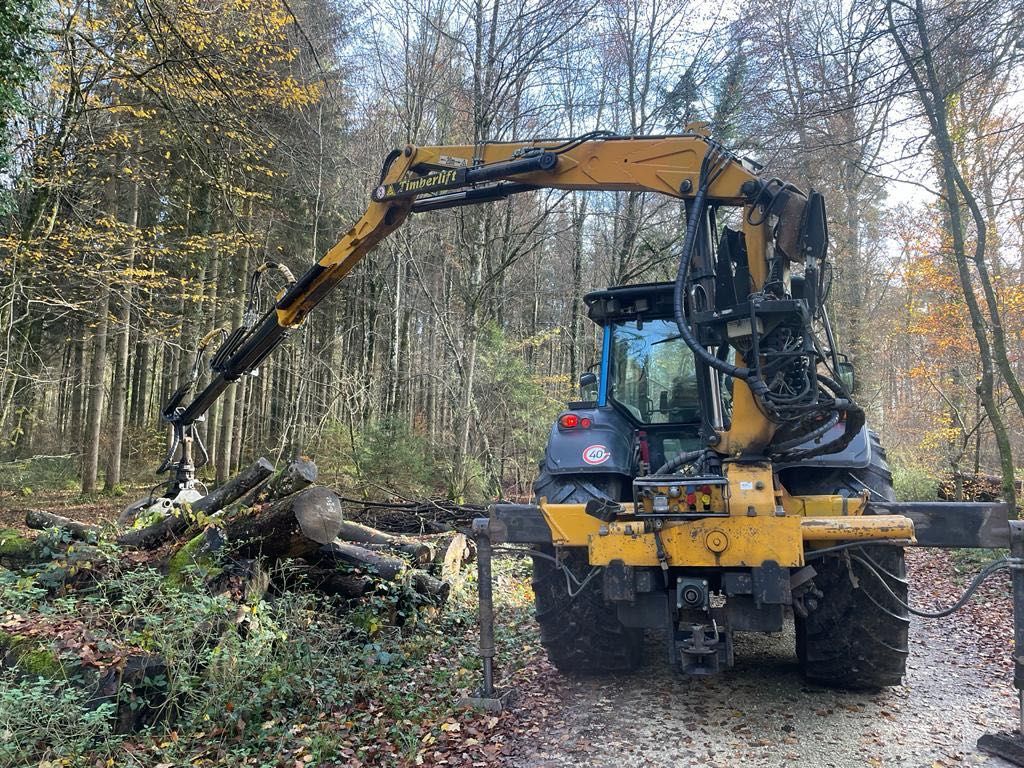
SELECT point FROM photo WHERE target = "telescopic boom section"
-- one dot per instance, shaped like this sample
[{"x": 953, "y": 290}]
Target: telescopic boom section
[{"x": 421, "y": 179}]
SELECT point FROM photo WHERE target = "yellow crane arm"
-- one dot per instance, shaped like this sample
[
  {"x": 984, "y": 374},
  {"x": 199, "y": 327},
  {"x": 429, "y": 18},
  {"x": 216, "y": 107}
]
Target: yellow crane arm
[{"x": 421, "y": 179}]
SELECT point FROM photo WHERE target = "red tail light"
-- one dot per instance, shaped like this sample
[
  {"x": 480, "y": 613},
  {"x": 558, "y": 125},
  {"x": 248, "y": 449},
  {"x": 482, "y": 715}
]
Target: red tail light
[{"x": 574, "y": 421}]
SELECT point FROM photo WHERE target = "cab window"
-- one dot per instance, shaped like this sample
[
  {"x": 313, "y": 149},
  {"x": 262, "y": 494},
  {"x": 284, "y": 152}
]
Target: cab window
[{"x": 653, "y": 375}]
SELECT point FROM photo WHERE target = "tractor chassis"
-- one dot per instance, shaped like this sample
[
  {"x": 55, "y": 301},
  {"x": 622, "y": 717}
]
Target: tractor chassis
[{"x": 703, "y": 647}]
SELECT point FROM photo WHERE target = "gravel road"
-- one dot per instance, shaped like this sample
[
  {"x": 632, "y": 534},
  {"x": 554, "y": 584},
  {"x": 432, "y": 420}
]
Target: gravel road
[{"x": 761, "y": 713}]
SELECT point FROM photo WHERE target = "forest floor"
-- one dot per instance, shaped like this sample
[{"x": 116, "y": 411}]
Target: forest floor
[{"x": 760, "y": 713}]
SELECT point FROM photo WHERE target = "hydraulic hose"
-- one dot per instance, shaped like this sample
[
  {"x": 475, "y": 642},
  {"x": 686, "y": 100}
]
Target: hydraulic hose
[
  {"x": 679, "y": 460},
  {"x": 697, "y": 209},
  {"x": 874, "y": 568}
]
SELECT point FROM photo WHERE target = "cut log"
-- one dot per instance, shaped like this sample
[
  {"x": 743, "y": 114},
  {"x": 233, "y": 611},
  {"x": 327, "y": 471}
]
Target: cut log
[
  {"x": 420, "y": 552},
  {"x": 295, "y": 526},
  {"x": 178, "y": 523},
  {"x": 331, "y": 581},
  {"x": 460, "y": 552},
  {"x": 387, "y": 567},
  {"x": 39, "y": 520},
  {"x": 300, "y": 473}
]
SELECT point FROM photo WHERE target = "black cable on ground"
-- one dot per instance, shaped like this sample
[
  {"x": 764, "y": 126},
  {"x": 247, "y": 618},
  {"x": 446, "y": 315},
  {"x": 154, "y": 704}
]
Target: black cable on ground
[{"x": 998, "y": 565}]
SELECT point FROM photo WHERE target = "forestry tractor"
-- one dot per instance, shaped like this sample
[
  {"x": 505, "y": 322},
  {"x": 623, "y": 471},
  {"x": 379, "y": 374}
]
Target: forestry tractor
[{"x": 717, "y": 473}]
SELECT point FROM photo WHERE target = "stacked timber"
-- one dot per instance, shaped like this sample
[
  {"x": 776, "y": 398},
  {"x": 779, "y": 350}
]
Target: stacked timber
[{"x": 286, "y": 516}]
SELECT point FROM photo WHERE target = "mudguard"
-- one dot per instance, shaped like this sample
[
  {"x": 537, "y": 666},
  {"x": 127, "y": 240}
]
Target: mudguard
[
  {"x": 605, "y": 448},
  {"x": 856, "y": 455}
]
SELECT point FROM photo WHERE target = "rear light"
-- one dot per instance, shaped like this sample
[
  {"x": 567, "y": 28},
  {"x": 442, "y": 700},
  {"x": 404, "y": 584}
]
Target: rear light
[{"x": 574, "y": 421}]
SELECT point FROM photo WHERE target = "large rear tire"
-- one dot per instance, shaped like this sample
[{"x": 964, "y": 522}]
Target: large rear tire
[
  {"x": 857, "y": 637},
  {"x": 580, "y": 632}
]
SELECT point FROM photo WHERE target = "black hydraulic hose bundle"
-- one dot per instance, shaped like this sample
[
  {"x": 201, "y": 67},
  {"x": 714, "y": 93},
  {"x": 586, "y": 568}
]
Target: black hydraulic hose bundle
[
  {"x": 821, "y": 400},
  {"x": 715, "y": 162},
  {"x": 681, "y": 460}
]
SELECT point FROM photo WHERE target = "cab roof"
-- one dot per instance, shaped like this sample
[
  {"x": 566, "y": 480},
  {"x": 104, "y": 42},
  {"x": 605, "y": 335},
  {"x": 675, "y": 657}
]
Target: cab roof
[{"x": 628, "y": 302}]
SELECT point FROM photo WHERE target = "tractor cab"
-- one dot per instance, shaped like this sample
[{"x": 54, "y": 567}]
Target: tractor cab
[{"x": 642, "y": 405}]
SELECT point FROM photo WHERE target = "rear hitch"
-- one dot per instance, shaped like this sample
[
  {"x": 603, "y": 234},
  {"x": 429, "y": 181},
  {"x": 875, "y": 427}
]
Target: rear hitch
[{"x": 703, "y": 650}]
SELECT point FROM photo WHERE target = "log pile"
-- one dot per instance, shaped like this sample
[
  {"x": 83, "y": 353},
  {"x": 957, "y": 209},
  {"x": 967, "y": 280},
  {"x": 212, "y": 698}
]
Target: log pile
[
  {"x": 415, "y": 517},
  {"x": 956, "y": 486},
  {"x": 227, "y": 543},
  {"x": 272, "y": 517},
  {"x": 286, "y": 516}
]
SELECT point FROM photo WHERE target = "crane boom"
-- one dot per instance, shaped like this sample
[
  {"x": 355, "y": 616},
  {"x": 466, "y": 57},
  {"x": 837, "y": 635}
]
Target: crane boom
[{"x": 691, "y": 167}]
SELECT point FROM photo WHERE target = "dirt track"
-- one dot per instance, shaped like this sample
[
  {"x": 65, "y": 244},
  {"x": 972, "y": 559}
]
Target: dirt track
[{"x": 762, "y": 714}]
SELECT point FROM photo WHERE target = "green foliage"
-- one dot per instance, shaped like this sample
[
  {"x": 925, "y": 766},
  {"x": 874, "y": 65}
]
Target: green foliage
[
  {"x": 22, "y": 476},
  {"x": 19, "y": 593},
  {"x": 53, "y": 542},
  {"x": 118, "y": 491},
  {"x": 914, "y": 482},
  {"x": 388, "y": 455},
  {"x": 41, "y": 716},
  {"x": 515, "y": 409},
  {"x": 680, "y": 103},
  {"x": 729, "y": 98},
  {"x": 19, "y": 28},
  {"x": 249, "y": 678}
]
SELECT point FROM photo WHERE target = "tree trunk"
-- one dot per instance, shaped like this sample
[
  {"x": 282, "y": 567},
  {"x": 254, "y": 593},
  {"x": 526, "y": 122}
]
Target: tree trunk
[
  {"x": 77, "y": 391},
  {"x": 118, "y": 390},
  {"x": 94, "y": 408}
]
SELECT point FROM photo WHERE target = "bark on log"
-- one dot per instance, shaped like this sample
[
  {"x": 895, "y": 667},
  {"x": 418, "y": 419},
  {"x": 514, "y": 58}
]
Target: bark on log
[
  {"x": 295, "y": 526},
  {"x": 39, "y": 520},
  {"x": 421, "y": 552},
  {"x": 16, "y": 550},
  {"x": 178, "y": 523},
  {"x": 330, "y": 581},
  {"x": 387, "y": 567}
]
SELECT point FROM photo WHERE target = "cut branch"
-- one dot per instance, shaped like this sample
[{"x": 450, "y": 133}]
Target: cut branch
[{"x": 39, "y": 520}]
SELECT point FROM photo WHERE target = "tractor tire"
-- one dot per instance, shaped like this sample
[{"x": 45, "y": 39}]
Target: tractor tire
[
  {"x": 580, "y": 633},
  {"x": 857, "y": 637}
]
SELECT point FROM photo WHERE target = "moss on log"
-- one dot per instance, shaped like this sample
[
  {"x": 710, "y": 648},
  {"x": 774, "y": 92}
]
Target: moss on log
[
  {"x": 29, "y": 656},
  {"x": 16, "y": 550}
]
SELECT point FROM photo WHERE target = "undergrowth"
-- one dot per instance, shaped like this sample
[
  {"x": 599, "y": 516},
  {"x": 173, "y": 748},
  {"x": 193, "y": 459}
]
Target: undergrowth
[{"x": 281, "y": 677}]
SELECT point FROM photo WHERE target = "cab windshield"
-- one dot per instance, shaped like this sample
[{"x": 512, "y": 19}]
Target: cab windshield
[{"x": 653, "y": 375}]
